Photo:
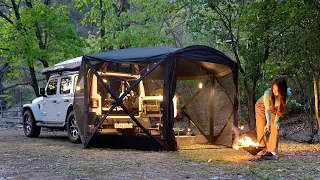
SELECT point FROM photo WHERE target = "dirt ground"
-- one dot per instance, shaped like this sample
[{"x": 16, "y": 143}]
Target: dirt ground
[{"x": 52, "y": 156}]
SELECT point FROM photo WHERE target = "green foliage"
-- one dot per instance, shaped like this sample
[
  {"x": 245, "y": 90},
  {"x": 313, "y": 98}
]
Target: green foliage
[
  {"x": 57, "y": 39},
  {"x": 272, "y": 38},
  {"x": 132, "y": 23},
  {"x": 261, "y": 87},
  {"x": 296, "y": 50},
  {"x": 259, "y": 32},
  {"x": 6, "y": 100},
  {"x": 34, "y": 35},
  {"x": 93, "y": 45},
  {"x": 17, "y": 96},
  {"x": 298, "y": 43},
  {"x": 294, "y": 107},
  {"x": 204, "y": 25}
]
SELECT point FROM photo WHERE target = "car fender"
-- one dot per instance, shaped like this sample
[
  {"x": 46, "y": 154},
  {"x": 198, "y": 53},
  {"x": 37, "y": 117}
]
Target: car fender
[
  {"x": 70, "y": 108},
  {"x": 35, "y": 109}
]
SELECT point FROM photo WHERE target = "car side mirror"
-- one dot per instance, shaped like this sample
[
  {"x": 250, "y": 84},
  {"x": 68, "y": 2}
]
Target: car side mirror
[{"x": 42, "y": 92}]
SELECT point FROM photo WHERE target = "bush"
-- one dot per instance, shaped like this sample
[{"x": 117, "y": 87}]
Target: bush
[{"x": 294, "y": 107}]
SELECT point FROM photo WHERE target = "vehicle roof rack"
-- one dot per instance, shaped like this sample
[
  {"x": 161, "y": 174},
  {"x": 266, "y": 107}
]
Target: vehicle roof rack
[{"x": 68, "y": 65}]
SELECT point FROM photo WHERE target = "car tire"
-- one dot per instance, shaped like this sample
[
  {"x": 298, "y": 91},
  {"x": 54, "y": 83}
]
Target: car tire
[
  {"x": 73, "y": 129},
  {"x": 29, "y": 125}
]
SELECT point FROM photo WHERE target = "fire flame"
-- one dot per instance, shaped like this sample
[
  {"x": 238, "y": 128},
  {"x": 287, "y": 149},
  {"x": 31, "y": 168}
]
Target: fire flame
[{"x": 245, "y": 142}]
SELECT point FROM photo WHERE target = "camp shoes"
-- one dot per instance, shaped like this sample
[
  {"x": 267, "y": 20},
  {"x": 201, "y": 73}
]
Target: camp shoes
[{"x": 269, "y": 156}]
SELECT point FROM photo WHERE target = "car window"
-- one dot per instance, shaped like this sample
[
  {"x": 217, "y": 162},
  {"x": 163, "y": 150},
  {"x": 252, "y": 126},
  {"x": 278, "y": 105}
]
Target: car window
[
  {"x": 52, "y": 87},
  {"x": 65, "y": 85}
]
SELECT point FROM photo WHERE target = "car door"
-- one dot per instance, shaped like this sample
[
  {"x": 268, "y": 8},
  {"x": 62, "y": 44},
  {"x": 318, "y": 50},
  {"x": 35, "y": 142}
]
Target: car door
[
  {"x": 49, "y": 109},
  {"x": 65, "y": 97}
]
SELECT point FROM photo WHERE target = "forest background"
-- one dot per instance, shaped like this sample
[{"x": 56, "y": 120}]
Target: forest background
[{"x": 267, "y": 38}]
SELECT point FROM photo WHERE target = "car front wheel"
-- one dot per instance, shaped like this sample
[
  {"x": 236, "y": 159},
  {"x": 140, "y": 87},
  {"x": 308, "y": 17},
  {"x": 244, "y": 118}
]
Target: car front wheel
[{"x": 29, "y": 125}]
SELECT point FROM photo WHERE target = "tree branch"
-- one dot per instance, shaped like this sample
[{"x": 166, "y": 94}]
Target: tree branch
[
  {"x": 280, "y": 33},
  {"x": 18, "y": 84},
  {"x": 47, "y": 2},
  {"x": 15, "y": 9},
  {"x": 29, "y": 3},
  {"x": 4, "y": 69},
  {"x": 38, "y": 32},
  {"x": 179, "y": 24},
  {"x": 226, "y": 21},
  {"x": 173, "y": 33},
  {"x": 5, "y": 49},
  {"x": 221, "y": 15},
  {"x": 5, "y": 5},
  {"x": 6, "y": 18},
  {"x": 220, "y": 12}
]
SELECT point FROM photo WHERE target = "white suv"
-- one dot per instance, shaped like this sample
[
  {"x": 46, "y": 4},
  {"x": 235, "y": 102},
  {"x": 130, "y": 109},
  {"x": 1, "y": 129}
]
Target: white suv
[{"x": 55, "y": 107}]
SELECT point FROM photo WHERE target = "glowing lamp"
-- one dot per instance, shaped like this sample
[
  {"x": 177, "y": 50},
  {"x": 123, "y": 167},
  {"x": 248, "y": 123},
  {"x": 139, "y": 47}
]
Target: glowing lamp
[{"x": 200, "y": 85}]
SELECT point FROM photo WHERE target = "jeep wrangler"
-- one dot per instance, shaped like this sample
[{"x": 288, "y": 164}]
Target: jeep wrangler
[{"x": 56, "y": 109}]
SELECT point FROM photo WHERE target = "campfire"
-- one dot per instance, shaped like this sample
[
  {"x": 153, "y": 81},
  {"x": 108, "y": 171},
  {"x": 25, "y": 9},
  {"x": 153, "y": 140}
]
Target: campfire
[
  {"x": 245, "y": 142},
  {"x": 249, "y": 145}
]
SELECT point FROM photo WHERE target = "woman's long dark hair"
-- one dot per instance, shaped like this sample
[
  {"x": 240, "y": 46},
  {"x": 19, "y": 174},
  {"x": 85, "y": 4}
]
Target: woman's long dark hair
[{"x": 282, "y": 88}]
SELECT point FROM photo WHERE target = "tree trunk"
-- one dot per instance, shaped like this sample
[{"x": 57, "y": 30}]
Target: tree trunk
[
  {"x": 3, "y": 70},
  {"x": 45, "y": 64},
  {"x": 251, "y": 110},
  {"x": 251, "y": 104},
  {"x": 310, "y": 112},
  {"x": 34, "y": 80},
  {"x": 316, "y": 97}
]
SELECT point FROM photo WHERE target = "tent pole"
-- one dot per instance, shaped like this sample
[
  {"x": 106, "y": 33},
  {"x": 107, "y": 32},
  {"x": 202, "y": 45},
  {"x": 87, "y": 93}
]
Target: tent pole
[
  {"x": 211, "y": 125},
  {"x": 86, "y": 106}
]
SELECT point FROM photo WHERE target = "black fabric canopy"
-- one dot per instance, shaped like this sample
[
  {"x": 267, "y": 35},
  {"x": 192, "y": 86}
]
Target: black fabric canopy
[
  {"x": 209, "y": 58},
  {"x": 173, "y": 64},
  {"x": 132, "y": 54},
  {"x": 196, "y": 52}
]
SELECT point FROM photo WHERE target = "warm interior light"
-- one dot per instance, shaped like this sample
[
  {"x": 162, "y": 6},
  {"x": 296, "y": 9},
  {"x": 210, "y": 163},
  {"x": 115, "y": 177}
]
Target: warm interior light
[
  {"x": 241, "y": 127},
  {"x": 175, "y": 111},
  {"x": 104, "y": 80},
  {"x": 77, "y": 88},
  {"x": 200, "y": 85},
  {"x": 188, "y": 132}
]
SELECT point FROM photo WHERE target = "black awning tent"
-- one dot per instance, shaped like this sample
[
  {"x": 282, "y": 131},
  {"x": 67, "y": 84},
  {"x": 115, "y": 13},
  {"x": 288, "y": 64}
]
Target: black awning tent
[{"x": 169, "y": 67}]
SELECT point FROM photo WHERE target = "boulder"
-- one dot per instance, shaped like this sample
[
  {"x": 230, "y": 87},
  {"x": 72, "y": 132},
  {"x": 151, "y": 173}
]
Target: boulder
[
  {"x": 282, "y": 132},
  {"x": 299, "y": 136},
  {"x": 316, "y": 138}
]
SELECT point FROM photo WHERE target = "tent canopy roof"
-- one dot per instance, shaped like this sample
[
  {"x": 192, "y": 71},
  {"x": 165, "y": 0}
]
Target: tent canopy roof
[
  {"x": 132, "y": 54},
  {"x": 191, "y": 57}
]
